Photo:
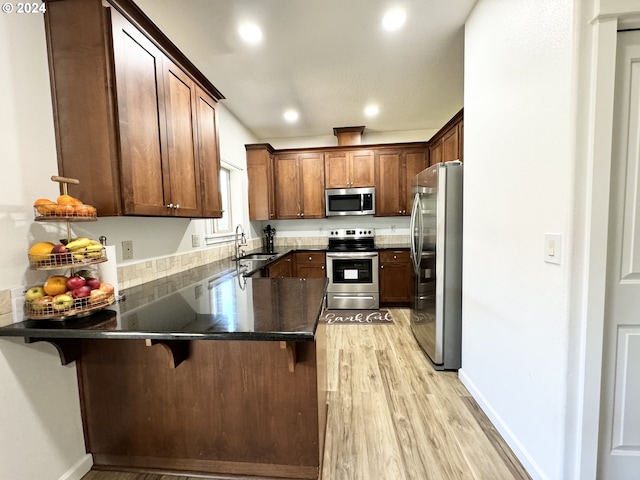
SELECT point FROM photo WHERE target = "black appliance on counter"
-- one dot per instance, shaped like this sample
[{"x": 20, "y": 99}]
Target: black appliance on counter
[
  {"x": 352, "y": 269},
  {"x": 269, "y": 234}
]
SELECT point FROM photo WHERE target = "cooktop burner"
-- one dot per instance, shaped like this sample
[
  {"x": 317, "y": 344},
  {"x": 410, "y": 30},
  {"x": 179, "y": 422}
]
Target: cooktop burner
[{"x": 351, "y": 239}]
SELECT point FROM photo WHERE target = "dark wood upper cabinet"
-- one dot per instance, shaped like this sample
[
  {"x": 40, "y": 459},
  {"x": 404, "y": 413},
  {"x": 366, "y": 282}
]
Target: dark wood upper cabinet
[
  {"x": 349, "y": 168},
  {"x": 262, "y": 204},
  {"x": 299, "y": 185},
  {"x": 135, "y": 121},
  {"x": 289, "y": 184},
  {"x": 395, "y": 169},
  {"x": 447, "y": 144}
]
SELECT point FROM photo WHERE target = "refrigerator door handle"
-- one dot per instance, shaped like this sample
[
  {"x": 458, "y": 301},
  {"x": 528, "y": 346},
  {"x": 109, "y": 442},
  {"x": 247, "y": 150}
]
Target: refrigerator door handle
[{"x": 415, "y": 252}]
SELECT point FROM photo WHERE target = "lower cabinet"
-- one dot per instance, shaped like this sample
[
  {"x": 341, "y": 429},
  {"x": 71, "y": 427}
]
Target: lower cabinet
[
  {"x": 281, "y": 268},
  {"x": 395, "y": 277},
  {"x": 310, "y": 265}
]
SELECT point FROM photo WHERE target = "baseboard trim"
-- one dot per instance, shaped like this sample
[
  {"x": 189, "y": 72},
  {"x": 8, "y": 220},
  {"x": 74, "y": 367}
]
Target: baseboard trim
[
  {"x": 518, "y": 449},
  {"x": 79, "y": 469}
]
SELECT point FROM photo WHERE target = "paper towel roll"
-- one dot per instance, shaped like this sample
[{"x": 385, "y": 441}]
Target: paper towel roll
[{"x": 109, "y": 269}]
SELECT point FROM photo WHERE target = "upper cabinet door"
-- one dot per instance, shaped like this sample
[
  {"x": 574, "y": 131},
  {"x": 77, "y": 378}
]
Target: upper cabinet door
[
  {"x": 451, "y": 145},
  {"x": 336, "y": 170},
  {"x": 141, "y": 115},
  {"x": 435, "y": 153},
  {"x": 207, "y": 148},
  {"x": 312, "y": 188},
  {"x": 184, "y": 171},
  {"x": 260, "y": 177},
  {"x": 362, "y": 168},
  {"x": 287, "y": 186},
  {"x": 389, "y": 200}
]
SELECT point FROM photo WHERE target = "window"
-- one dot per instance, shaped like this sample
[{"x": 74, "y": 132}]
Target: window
[
  {"x": 223, "y": 225},
  {"x": 220, "y": 230}
]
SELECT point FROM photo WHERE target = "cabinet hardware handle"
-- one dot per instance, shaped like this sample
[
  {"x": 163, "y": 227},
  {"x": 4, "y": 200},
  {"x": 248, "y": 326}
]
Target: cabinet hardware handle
[
  {"x": 322, "y": 267},
  {"x": 381, "y": 266},
  {"x": 177, "y": 206},
  {"x": 302, "y": 214},
  {"x": 395, "y": 258},
  {"x": 170, "y": 205},
  {"x": 309, "y": 258}
]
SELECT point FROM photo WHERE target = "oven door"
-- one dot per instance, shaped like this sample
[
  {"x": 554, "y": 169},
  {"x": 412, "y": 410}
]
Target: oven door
[{"x": 352, "y": 272}]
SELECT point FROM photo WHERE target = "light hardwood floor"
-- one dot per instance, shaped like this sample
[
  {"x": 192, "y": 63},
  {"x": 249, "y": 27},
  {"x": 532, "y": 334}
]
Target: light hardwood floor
[{"x": 393, "y": 417}]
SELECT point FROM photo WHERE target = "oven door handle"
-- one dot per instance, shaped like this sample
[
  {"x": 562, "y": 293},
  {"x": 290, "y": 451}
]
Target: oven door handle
[{"x": 351, "y": 255}]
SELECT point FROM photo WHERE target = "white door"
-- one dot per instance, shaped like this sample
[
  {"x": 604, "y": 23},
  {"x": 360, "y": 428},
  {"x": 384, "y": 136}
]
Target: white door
[{"x": 619, "y": 442}]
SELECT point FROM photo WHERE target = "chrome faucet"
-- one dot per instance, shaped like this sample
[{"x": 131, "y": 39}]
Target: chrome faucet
[{"x": 240, "y": 242}]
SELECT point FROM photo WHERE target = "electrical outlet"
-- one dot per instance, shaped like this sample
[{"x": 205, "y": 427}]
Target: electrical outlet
[
  {"x": 17, "y": 303},
  {"x": 127, "y": 250},
  {"x": 195, "y": 240}
]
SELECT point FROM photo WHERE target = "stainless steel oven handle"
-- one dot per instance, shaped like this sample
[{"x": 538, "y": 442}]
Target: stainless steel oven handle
[{"x": 352, "y": 255}]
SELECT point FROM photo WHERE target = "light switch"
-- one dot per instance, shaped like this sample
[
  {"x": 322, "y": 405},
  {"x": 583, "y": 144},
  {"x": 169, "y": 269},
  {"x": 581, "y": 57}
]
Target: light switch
[{"x": 552, "y": 248}]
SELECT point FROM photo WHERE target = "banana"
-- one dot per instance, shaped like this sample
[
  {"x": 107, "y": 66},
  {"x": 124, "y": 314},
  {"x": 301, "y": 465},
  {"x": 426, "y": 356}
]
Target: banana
[
  {"x": 93, "y": 251},
  {"x": 78, "y": 244}
]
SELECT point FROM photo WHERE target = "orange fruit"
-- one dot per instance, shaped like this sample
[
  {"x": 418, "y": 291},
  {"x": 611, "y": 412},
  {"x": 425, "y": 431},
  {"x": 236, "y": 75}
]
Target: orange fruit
[
  {"x": 81, "y": 210},
  {"x": 39, "y": 252},
  {"x": 68, "y": 200},
  {"x": 55, "y": 285},
  {"x": 44, "y": 206},
  {"x": 64, "y": 210}
]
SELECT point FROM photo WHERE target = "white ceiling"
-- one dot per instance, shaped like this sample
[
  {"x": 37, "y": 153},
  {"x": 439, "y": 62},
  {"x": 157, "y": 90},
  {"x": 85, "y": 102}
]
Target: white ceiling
[{"x": 327, "y": 59}]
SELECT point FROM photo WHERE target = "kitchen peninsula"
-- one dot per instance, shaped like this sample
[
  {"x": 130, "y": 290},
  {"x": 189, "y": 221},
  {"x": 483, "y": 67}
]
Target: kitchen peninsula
[{"x": 204, "y": 372}]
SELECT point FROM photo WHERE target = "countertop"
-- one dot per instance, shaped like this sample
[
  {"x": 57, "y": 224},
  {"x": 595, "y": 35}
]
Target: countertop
[
  {"x": 211, "y": 302},
  {"x": 217, "y": 301}
]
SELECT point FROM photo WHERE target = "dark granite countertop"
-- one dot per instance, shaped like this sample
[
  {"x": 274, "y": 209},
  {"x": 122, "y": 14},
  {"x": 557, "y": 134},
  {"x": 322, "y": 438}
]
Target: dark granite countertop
[{"x": 211, "y": 302}]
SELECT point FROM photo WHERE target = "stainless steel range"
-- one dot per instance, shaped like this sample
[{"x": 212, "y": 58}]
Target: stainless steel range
[{"x": 352, "y": 269}]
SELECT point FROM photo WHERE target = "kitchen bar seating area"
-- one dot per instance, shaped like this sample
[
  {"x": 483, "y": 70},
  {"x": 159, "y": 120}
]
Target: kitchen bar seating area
[{"x": 392, "y": 416}]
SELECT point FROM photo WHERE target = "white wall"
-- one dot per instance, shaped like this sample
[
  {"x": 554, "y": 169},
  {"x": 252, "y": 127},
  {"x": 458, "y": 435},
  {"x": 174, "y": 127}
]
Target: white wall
[
  {"x": 41, "y": 434},
  {"x": 518, "y": 186}
]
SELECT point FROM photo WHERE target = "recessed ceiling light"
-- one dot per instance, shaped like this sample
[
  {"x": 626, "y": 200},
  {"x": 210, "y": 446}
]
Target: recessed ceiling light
[
  {"x": 290, "y": 116},
  {"x": 371, "y": 110},
  {"x": 250, "y": 33},
  {"x": 394, "y": 19}
]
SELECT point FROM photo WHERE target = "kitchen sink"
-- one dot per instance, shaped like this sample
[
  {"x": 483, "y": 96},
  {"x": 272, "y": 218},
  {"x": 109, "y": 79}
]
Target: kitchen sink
[{"x": 258, "y": 256}]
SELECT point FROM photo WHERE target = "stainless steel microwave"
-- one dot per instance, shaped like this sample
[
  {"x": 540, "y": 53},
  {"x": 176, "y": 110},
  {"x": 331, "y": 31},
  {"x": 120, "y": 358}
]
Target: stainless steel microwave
[{"x": 350, "y": 201}]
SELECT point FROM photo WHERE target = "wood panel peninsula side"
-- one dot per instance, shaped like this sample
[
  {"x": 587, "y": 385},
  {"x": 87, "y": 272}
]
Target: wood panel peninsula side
[{"x": 225, "y": 376}]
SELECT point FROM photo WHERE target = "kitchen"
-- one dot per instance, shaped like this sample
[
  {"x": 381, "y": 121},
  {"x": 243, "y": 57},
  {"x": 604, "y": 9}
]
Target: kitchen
[{"x": 524, "y": 392}]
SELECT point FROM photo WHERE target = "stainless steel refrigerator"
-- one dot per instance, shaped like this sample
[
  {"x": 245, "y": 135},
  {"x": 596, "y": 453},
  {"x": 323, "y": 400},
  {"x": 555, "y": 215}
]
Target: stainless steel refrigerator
[{"x": 436, "y": 254}]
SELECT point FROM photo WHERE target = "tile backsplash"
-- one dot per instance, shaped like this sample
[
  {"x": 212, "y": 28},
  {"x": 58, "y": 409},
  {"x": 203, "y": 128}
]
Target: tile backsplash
[{"x": 135, "y": 274}]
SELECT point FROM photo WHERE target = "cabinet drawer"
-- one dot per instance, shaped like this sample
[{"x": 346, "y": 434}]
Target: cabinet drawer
[
  {"x": 396, "y": 255},
  {"x": 312, "y": 258}
]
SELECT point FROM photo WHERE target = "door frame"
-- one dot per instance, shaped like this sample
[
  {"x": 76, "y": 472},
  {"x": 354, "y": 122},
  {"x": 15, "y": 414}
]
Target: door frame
[{"x": 594, "y": 140}]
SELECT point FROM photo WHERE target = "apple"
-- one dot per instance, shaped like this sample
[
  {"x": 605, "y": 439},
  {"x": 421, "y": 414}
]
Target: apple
[
  {"x": 97, "y": 296},
  {"x": 60, "y": 252},
  {"x": 61, "y": 302},
  {"x": 41, "y": 303},
  {"x": 33, "y": 293},
  {"x": 81, "y": 292},
  {"x": 106, "y": 288},
  {"x": 93, "y": 283},
  {"x": 75, "y": 281}
]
